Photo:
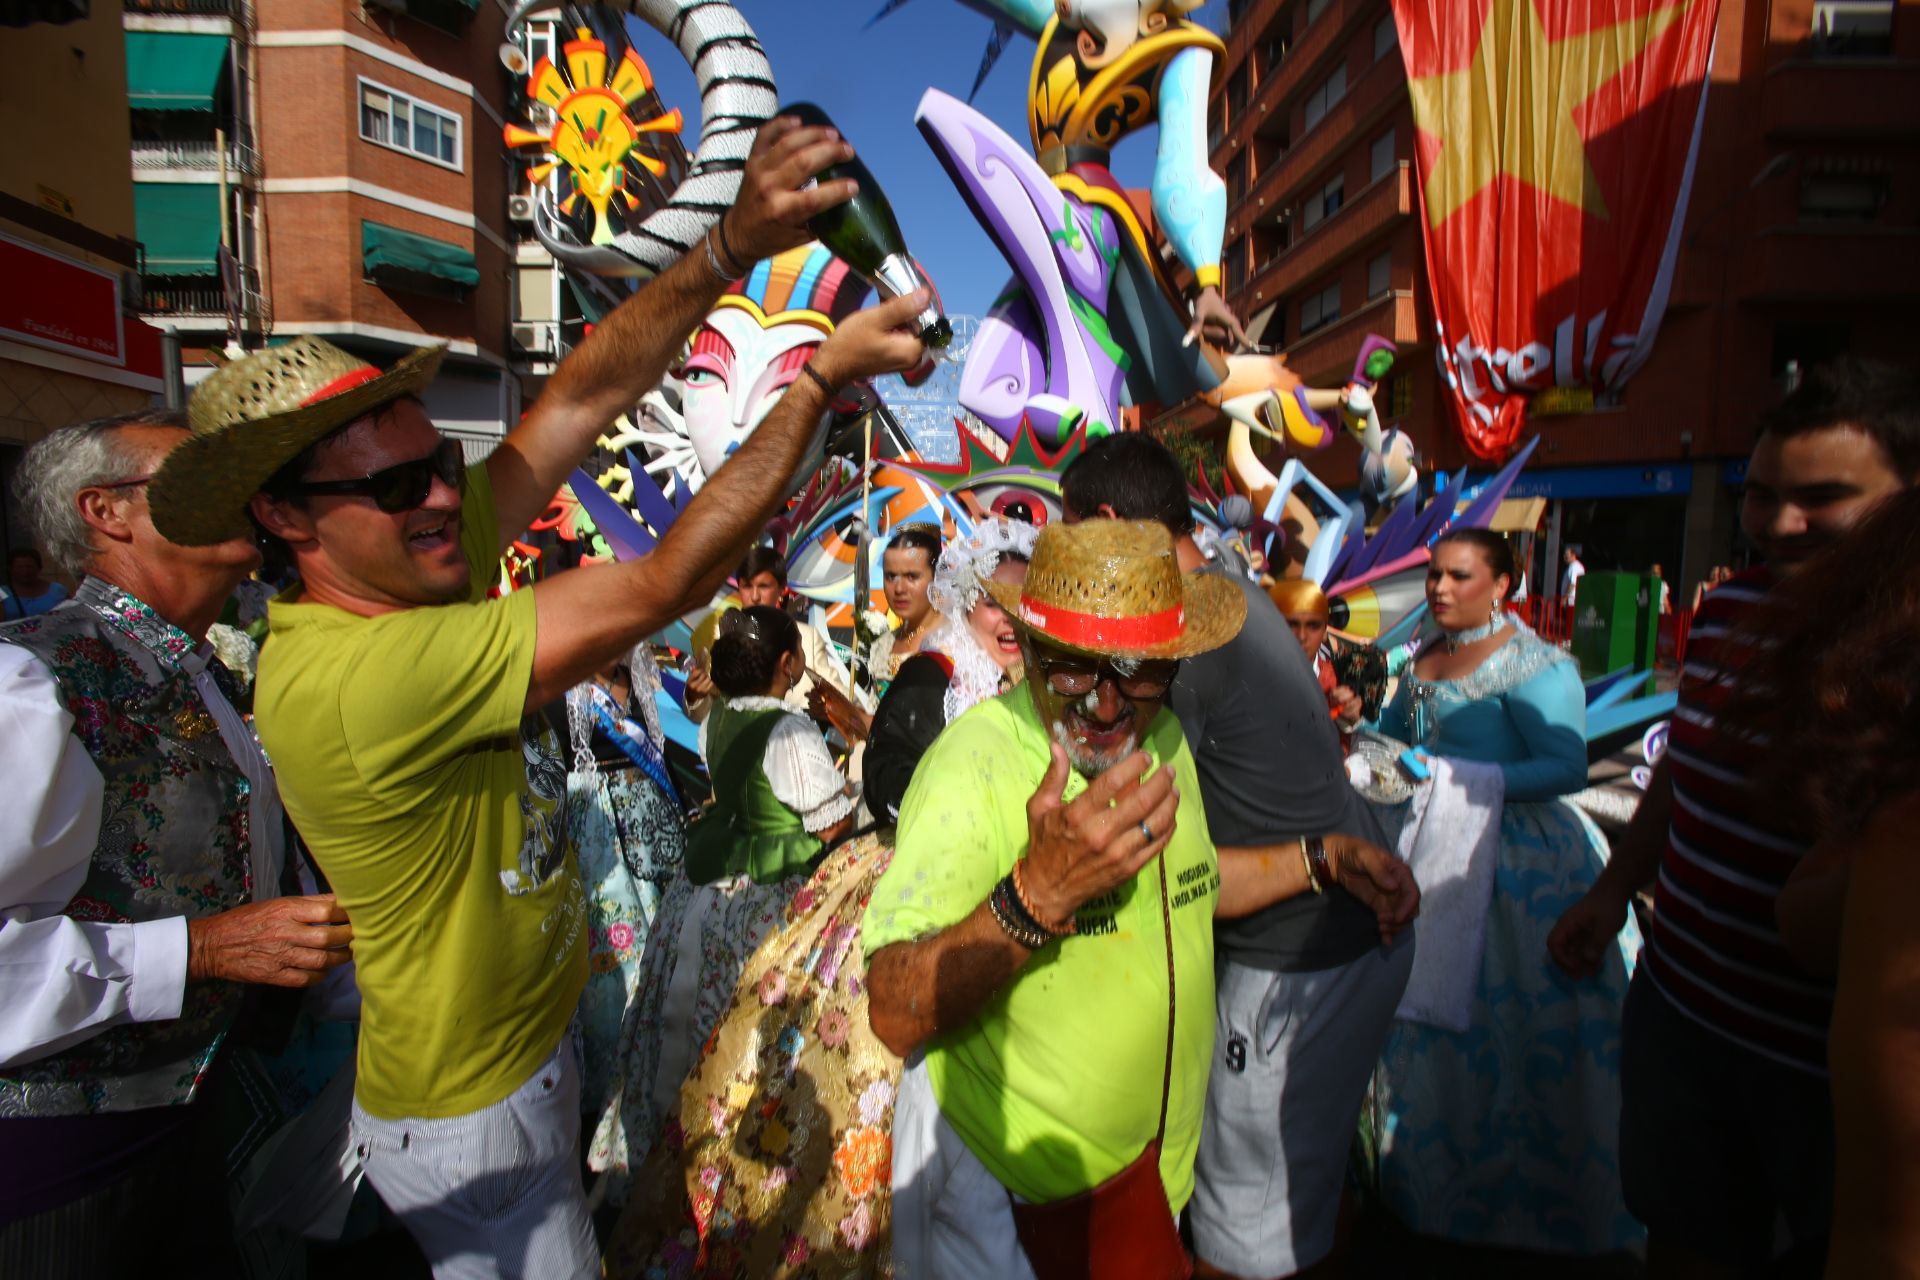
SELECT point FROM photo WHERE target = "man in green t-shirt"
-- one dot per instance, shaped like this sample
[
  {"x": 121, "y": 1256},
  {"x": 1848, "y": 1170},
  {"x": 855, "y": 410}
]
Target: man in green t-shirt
[
  {"x": 1022, "y": 940},
  {"x": 397, "y": 700}
]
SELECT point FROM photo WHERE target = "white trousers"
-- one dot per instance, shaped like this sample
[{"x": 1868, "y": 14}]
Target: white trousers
[
  {"x": 494, "y": 1194},
  {"x": 951, "y": 1218}
]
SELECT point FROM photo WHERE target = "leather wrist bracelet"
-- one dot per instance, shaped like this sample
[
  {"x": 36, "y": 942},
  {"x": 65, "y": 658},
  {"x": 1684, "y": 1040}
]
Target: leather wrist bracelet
[
  {"x": 820, "y": 378},
  {"x": 1026, "y": 904},
  {"x": 726, "y": 247}
]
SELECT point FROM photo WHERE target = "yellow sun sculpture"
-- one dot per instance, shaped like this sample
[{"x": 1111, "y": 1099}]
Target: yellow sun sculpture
[{"x": 593, "y": 134}]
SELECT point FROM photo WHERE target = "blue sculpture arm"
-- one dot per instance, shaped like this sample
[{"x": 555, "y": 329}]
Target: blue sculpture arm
[{"x": 1189, "y": 198}]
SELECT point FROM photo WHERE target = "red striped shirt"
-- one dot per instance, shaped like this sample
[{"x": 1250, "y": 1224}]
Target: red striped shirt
[{"x": 1714, "y": 949}]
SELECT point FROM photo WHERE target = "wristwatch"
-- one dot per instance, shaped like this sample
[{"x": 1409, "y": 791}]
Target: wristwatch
[{"x": 1317, "y": 859}]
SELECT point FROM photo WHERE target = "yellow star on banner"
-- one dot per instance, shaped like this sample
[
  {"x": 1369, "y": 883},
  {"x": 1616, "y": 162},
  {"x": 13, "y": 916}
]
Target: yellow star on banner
[{"x": 1511, "y": 112}]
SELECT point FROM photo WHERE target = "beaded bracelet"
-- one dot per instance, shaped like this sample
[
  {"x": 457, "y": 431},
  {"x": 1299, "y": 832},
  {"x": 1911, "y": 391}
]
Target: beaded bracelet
[
  {"x": 1006, "y": 913},
  {"x": 1026, "y": 903}
]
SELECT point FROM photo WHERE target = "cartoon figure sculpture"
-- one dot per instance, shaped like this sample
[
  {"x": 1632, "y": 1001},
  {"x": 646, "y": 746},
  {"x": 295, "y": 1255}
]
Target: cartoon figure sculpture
[
  {"x": 1262, "y": 396},
  {"x": 1091, "y": 322}
]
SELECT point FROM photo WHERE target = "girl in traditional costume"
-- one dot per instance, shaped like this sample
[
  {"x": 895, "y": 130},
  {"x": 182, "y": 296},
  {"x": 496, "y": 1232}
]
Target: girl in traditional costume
[
  {"x": 779, "y": 1158},
  {"x": 907, "y": 567}
]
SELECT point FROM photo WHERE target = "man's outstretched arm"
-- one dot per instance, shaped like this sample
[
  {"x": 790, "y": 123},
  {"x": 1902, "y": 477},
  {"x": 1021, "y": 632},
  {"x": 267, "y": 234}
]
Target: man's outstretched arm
[
  {"x": 628, "y": 353},
  {"x": 588, "y": 617}
]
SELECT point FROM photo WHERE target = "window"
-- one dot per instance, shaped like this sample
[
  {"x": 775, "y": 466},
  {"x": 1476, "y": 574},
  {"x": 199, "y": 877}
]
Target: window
[
  {"x": 1316, "y": 9},
  {"x": 1323, "y": 204},
  {"x": 1325, "y": 94},
  {"x": 1400, "y": 396},
  {"x": 1236, "y": 266},
  {"x": 1237, "y": 93},
  {"x": 1852, "y": 28},
  {"x": 1274, "y": 51},
  {"x": 1237, "y": 177},
  {"x": 1380, "y": 158},
  {"x": 1320, "y": 308},
  {"x": 392, "y": 119},
  {"x": 1385, "y": 37},
  {"x": 1380, "y": 275},
  {"x": 1842, "y": 196},
  {"x": 539, "y": 43}
]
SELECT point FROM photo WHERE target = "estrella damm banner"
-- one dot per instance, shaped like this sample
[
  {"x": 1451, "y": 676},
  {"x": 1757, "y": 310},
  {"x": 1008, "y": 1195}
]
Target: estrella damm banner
[{"x": 1556, "y": 146}]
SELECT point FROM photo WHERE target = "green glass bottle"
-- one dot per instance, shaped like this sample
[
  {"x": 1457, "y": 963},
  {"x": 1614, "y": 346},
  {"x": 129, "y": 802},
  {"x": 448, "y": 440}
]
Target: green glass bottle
[{"x": 865, "y": 235}]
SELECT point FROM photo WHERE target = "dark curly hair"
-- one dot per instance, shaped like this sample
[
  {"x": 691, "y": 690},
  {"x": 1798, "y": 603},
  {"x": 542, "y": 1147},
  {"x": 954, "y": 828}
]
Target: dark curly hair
[
  {"x": 1834, "y": 690},
  {"x": 750, "y": 645}
]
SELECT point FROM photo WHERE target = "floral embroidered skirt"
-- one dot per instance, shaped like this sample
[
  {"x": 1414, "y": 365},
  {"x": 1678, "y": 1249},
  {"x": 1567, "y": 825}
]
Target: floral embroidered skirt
[
  {"x": 780, "y": 1158},
  {"x": 630, "y": 841},
  {"x": 1508, "y": 1133}
]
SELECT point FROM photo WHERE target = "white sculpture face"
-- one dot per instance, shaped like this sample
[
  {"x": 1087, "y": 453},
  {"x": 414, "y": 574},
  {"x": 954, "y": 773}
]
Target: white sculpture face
[{"x": 729, "y": 390}]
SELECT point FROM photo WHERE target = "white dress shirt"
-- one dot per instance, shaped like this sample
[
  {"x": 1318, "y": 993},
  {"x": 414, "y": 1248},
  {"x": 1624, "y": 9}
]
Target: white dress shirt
[{"x": 64, "y": 980}]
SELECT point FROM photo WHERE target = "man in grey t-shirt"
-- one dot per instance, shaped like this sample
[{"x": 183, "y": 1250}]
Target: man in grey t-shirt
[{"x": 1306, "y": 990}]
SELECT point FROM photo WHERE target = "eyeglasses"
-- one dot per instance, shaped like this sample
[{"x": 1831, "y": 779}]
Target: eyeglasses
[
  {"x": 403, "y": 486},
  {"x": 128, "y": 483},
  {"x": 1073, "y": 677}
]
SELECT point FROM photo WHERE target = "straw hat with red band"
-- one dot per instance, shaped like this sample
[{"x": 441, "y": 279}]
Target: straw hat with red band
[
  {"x": 254, "y": 415},
  {"x": 1113, "y": 589}
]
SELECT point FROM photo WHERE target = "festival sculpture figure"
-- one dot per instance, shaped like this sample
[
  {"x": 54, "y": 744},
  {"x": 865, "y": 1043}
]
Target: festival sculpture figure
[{"x": 1090, "y": 322}]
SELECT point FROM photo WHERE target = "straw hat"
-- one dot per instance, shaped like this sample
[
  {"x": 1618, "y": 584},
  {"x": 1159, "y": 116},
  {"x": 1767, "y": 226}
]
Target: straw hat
[
  {"x": 1112, "y": 588},
  {"x": 253, "y": 416}
]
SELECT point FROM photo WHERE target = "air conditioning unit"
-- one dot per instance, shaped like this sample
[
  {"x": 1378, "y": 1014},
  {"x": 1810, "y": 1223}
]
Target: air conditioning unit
[
  {"x": 536, "y": 338},
  {"x": 520, "y": 208}
]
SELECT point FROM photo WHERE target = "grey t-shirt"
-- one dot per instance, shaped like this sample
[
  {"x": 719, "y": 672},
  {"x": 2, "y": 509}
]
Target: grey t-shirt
[{"x": 1270, "y": 768}]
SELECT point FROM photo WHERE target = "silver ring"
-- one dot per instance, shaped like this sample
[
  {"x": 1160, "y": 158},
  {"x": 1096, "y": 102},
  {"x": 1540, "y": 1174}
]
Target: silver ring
[{"x": 1146, "y": 831}]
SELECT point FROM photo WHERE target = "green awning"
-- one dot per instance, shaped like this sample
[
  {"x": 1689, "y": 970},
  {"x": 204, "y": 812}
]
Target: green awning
[
  {"x": 391, "y": 249},
  {"x": 173, "y": 72},
  {"x": 179, "y": 223}
]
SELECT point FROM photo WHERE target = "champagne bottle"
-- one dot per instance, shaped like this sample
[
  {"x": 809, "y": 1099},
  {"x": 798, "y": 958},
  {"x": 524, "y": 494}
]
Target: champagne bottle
[{"x": 865, "y": 235}]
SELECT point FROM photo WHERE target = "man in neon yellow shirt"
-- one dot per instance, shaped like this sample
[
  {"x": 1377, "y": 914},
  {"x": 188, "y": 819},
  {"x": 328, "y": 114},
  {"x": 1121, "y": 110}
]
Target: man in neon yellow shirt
[
  {"x": 395, "y": 699},
  {"x": 1052, "y": 871}
]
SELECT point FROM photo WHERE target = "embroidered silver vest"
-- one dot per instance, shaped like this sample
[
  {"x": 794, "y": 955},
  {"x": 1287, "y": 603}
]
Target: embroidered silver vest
[{"x": 173, "y": 841}]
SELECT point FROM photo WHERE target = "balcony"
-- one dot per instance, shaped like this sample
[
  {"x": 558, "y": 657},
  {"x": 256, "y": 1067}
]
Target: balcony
[
  {"x": 1374, "y": 211},
  {"x": 233, "y": 9},
  {"x": 194, "y": 157},
  {"x": 1326, "y": 355},
  {"x": 201, "y": 297},
  {"x": 1854, "y": 98},
  {"x": 1381, "y": 88},
  {"x": 1857, "y": 263}
]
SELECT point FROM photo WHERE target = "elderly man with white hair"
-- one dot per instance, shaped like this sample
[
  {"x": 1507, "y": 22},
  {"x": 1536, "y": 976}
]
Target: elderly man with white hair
[{"x": 141, "y": 849}]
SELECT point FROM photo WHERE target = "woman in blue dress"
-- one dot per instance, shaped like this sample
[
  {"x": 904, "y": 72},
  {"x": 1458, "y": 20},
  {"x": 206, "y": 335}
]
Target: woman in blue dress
[{"x": 1507, "y": 1133}]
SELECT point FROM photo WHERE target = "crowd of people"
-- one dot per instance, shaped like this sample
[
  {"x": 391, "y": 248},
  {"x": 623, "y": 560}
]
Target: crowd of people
[{"x": 1068, "y": 942}]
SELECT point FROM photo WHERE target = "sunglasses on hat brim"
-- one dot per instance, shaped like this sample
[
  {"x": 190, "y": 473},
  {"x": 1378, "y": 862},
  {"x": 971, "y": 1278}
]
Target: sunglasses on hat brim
[{"x": 403, "y": 486}]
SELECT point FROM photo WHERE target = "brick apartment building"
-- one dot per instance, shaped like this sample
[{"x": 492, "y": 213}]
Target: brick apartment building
[
  {"x": 1802, "y": 241},
  {"x": 71, "y": 345},
  {"x": 332, "y": 167}
]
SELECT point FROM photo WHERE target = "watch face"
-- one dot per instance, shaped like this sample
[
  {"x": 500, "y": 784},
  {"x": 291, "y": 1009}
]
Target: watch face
[{"x": 1373, "y": 767}]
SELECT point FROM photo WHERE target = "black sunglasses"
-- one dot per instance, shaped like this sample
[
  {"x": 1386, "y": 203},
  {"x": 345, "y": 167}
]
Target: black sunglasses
[
  {"x": 1074, "y": 676},
  {"x": 403, "y": 486}
]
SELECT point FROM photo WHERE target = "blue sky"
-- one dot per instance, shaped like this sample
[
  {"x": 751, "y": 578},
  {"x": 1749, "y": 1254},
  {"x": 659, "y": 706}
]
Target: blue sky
[{"x": 869, "y": 81}]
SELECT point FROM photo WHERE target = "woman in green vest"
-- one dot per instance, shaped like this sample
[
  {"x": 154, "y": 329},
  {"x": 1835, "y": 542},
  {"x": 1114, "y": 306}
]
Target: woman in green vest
[{"x": 778, "y": 799}]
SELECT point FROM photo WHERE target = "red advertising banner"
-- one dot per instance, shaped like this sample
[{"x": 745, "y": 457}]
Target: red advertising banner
[
  {"x": 1555, "y": 151},
  {"x": 57, "y": 303}
]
